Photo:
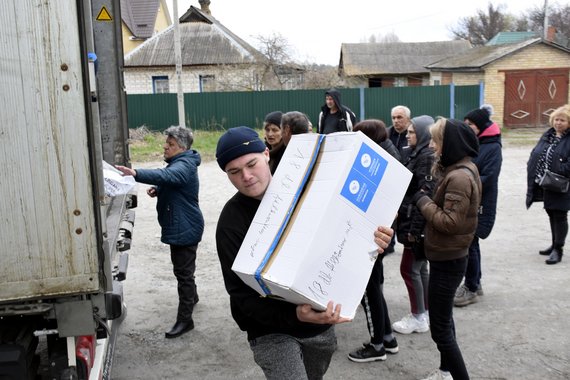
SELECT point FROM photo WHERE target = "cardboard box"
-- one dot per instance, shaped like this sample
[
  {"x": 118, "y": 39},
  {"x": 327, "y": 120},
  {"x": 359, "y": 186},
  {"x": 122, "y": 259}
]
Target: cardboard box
[{"x": 312, "y": 238}]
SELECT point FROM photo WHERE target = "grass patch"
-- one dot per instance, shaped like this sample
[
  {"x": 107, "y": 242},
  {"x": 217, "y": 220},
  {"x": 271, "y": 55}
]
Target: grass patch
[{"x": 146, "y": 146}]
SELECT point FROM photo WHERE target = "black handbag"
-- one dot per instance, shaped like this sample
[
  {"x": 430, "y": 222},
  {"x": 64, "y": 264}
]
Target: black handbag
[{"x": 554, "y": 182}]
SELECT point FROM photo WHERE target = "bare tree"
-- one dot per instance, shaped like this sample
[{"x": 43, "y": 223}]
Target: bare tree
[
  {"x": 278, "y": 71},
  {"x": 379, "y": 38},
  {"x": 558, "y": 17},
  {"x": 484, "y": 25},
  {"x": 322, "y": 76}
]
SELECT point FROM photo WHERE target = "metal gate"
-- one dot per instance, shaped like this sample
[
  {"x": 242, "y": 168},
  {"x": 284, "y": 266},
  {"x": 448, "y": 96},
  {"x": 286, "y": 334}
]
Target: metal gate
[{"x": 532, "y": 95}]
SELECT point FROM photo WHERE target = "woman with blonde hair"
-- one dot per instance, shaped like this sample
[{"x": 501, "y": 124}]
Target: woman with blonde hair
[
  {"x": 451, "y": 221},
  {"x": 552, "y": 152}
]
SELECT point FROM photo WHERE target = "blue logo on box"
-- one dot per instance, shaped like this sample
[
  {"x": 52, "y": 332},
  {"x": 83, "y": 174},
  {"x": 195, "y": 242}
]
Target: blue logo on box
[{"x": 364, "y": 177}]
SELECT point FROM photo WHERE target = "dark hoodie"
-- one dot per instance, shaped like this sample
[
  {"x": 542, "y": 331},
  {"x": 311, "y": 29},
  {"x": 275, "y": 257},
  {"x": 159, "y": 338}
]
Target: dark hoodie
[
  {"x": 343, "y": 120},
  {"x": 451, "y": 217},
  {"x": 458, "y": 141}
]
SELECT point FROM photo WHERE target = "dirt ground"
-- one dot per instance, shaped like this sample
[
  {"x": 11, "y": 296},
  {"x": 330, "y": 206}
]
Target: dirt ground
[{"x": 518, "y": 329}]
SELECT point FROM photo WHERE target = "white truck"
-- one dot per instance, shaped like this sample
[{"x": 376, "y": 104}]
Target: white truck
[{"x": 63, "y": 238}]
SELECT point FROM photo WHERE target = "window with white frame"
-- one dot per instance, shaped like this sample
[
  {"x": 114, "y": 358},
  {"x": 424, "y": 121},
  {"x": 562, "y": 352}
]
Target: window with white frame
[{"x": 160, "y": 85}]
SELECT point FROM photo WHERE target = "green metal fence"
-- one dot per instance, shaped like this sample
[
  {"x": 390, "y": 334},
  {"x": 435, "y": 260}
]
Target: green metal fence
[{"x": 216, "y": 111}]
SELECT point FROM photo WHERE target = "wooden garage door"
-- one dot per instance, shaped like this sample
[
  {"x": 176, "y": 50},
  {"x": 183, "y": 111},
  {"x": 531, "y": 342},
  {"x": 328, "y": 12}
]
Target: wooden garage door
[{"x": 532, "y": 95}]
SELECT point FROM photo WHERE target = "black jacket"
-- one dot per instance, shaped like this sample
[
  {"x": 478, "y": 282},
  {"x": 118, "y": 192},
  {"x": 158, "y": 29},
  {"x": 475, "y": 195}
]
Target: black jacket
[
  {"x": 254, "y": 314},
  {"x": 346, "y": 118},
  {"x": 560, "y": 165},
  {"x": 419, "y": 161},
  {"x": 391, "y": 149},
  {"x": 275, "y": 155},
  {"x": 398, "y": 139},
  {"x": 489, "y": 163}
]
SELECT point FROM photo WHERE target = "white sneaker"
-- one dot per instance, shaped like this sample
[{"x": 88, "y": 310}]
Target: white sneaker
[
  {"x": 410, "y": 324},
  {"x": 426, "y": 316},
  {"x": 439, "y": 375}
]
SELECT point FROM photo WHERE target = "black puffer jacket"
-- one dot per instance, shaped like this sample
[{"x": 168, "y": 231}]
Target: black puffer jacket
[{"x": 419, "y": 161}]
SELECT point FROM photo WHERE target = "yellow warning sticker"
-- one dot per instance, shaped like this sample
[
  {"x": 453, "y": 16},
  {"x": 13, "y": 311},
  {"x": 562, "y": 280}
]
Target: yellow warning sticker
[{"x": 104, "y": 15}]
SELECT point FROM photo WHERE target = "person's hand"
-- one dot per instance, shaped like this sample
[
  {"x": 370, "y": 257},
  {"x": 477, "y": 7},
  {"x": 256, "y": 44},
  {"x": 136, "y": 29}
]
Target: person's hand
[
  {"x": 151, "y": 191},
  {"x": 383, "y": 237},
  {"x": 331, "y": 316},
  {"x": 126, "y": 171}
]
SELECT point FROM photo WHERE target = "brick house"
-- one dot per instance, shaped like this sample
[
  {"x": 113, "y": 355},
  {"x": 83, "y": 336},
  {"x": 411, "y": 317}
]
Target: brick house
[
  {"x": 524, "y": 81},
  {"x": 213, "y": 58}
]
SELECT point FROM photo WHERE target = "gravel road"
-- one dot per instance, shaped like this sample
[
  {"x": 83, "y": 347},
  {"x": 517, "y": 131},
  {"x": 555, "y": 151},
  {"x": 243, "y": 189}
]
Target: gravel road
[{"x": 518, "y": 329}]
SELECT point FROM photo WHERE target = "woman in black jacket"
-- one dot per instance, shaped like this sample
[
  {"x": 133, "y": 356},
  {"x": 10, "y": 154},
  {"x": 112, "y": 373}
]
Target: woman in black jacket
[
  {"x": 552, "y": 152},
  {"x": 418, "y": 158},
  {"x": 382, "y": 340}
]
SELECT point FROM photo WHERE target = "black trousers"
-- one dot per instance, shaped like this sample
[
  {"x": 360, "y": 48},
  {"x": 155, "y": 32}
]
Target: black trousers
[
  {"x": 184, "y": 265},
  {"x": 558, "y": 227},
  {"x": 444, "y": 278},
  {"x": 374, "y": 304}
]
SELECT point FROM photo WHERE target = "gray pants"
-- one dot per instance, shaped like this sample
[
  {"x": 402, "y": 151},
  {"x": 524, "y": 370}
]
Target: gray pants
[{"x": 283, "y": 357}]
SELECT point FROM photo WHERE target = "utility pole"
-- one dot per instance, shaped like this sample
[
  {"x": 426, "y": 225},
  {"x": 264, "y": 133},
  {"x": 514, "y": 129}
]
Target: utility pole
[
  {"x": 545, "y": 19},
  {"x": 178, "y": 59}
]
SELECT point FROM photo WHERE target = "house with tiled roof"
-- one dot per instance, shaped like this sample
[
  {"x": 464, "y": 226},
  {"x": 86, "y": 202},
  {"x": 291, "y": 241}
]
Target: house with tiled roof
[
  {"x": 511, "y": 38},
  {"x": 213, "y": 58},
  {"x": 141, "y": 19}
]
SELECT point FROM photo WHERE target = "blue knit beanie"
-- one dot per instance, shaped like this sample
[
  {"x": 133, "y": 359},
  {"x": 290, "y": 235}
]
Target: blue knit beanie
[{"x": 237, "y": 142}]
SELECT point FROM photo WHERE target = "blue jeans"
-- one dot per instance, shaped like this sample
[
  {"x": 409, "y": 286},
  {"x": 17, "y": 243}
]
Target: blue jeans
[
  {"x": 444, "y": 278},
  {"x": 473, "y": 272},
  {"x": 284, "y": 357}
]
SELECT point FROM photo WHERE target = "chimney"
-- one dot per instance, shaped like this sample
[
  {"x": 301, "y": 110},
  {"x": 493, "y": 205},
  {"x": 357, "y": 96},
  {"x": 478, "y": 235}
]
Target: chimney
[
  {"x": 205, "y": 6},
  {"x": 550, "y": 33}
]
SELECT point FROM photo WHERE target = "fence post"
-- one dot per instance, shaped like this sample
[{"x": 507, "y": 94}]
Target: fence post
[
  {"x": 362, "y": 109},
  {"x": 452, "y": 100}
]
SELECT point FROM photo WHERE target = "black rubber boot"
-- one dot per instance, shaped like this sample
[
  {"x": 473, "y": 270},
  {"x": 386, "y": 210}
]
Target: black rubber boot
[
  {"x": 555, "y": 257},
  {"x": 546, "y": 251}
]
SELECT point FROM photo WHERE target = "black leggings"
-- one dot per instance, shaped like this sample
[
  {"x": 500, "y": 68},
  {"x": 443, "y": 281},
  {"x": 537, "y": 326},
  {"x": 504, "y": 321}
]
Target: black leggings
[{"x": 558, "y": 227}]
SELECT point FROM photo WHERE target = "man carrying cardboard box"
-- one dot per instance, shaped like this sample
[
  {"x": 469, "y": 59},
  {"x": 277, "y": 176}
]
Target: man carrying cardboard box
[{"x": 288, "y": 341}]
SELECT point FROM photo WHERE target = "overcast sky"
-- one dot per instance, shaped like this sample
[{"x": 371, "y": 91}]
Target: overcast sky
[{"x": 315, "y": 29}]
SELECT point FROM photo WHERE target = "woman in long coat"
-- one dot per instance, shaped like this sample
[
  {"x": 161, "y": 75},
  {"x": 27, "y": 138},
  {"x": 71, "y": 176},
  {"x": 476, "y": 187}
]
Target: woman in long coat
[{"x": 552, "y": 152}]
